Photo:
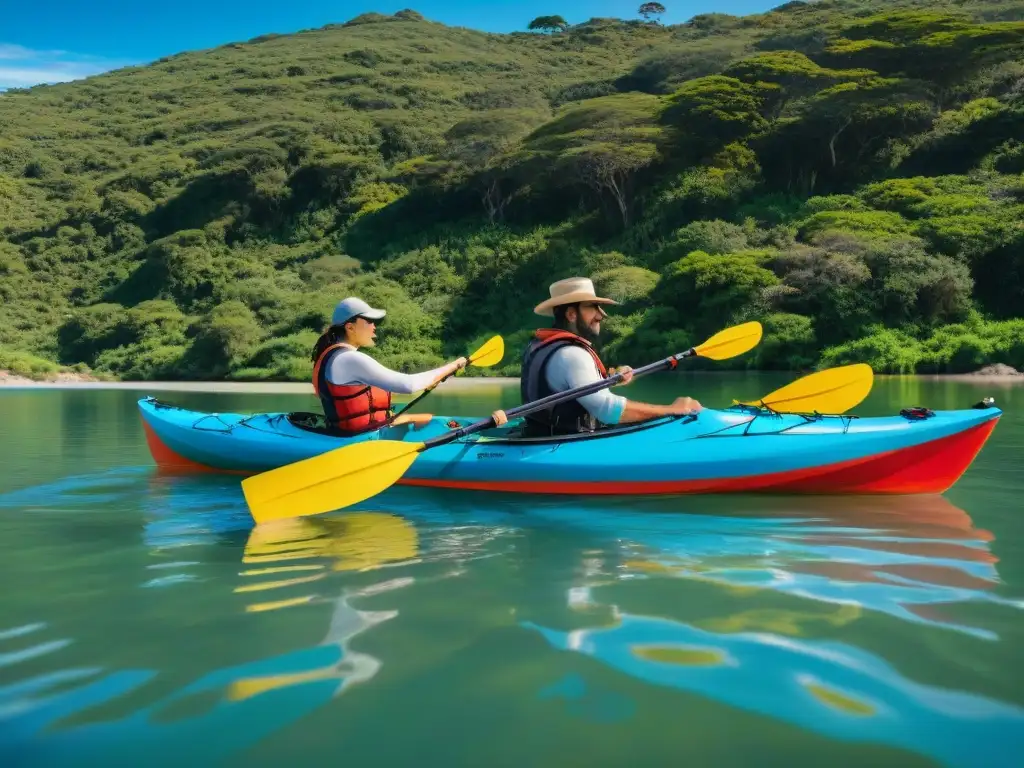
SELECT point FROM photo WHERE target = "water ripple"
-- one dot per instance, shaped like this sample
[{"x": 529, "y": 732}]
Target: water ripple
[
  {"x": 191, "y": 626},
  {"x": 831, "y": 688},
  {"x": 253, "y": 699}
]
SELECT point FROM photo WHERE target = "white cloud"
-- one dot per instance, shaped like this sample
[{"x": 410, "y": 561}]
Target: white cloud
[
  {"x": 21, "y": 67},
  {"x": 12, "y": 51}
]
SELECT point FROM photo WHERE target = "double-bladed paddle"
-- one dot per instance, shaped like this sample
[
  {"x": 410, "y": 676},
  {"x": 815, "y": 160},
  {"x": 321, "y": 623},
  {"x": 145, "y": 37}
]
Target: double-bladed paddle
[
  {"x": 348, "y": 475},
  {"x": 489, "y": 354},
  {"x": 831, "y": 391}
]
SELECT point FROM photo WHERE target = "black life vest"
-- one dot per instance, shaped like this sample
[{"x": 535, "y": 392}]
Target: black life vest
[{"x": 563, "y": 419}]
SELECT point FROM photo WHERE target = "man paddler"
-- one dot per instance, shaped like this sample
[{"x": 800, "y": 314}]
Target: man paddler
[{"x": 563, "y": 357}]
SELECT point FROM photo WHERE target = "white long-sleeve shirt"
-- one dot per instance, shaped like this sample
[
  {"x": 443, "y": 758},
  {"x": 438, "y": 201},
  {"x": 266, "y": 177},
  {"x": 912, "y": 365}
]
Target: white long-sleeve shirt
[
  {"x": 355, "y": 367},
  {"x": 571, "y": 367}
]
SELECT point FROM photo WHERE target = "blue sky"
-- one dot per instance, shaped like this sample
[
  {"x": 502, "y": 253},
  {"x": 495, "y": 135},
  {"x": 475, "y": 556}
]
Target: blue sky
[{"x": 67, "y": 39}]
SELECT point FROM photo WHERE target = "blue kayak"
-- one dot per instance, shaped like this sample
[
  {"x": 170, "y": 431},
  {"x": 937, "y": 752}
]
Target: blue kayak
[{"x": 733, "y": 450}]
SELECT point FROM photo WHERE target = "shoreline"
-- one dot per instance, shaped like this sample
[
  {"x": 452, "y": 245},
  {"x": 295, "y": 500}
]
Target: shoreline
[
  {"x": 253, "y": 387},
  {"x": 452, "y": 385},
  {"x": 996, "y": 378}
]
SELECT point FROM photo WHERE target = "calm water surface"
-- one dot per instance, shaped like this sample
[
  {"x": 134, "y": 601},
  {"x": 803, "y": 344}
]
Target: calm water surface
[{"x": 143, "y": 621}]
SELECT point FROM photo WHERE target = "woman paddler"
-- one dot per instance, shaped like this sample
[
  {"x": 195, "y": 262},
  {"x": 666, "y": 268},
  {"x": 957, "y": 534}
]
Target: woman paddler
[{"x": 354, "y": 389}]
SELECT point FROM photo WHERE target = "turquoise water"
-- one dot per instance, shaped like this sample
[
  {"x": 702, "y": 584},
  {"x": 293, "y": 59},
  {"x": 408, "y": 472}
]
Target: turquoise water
[{"x": 143, "y": 621}]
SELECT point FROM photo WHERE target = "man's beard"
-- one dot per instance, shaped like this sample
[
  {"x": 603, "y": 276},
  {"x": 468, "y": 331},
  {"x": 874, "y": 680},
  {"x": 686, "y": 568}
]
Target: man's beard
[{"x": 584, "y": 330}]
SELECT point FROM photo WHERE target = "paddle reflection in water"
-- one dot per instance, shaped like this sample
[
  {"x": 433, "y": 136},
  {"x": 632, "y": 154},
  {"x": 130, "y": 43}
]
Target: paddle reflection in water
[
  {"x": 290, "y": 553},
  {"x": 831, "y": 562},
  {"x": 230, "y": 708},
  {"x": 799, "y": 610}
]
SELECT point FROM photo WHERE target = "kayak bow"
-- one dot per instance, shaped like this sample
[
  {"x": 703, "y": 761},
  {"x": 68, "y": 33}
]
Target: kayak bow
[{"x": 740, "y": 449}]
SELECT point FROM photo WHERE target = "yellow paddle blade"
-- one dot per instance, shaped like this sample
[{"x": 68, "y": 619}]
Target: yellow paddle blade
[
  {"x": 352, "y": 540},
  {"x": 489, "y": 354},
  {"x": 331, "y": 480},
  {"x": 731, "y": 342},
  {"x": 834, "y": 390},
  {"x": 361, "y": 541},
  {"x": 247, "y": 687}
]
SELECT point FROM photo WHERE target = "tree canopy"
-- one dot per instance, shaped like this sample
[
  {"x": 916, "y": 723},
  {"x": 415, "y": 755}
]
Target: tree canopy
[
  {"x": 848, "y": 172},
  {"x": 549, "y": 24},
  {"x": 651, "y": 9}
]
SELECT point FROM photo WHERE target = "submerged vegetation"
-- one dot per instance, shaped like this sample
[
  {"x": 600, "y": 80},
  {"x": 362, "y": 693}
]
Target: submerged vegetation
[{"x": 849, "y": 172}]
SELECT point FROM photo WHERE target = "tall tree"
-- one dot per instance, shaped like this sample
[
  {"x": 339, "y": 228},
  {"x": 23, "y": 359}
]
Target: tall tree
[
  {"x": 873, "y": 108},
  {"x": 794, "y": 75},
  {"x": 476, "y": 148},
  {"x": 836, "y": 135},
  {"x": 608, "y": 163},
  {"x": 710, "y": 112},
  {"x": 549, "y": 24},
  {"x": 601, "y": 144},
  {"x": 651, "y": 9}
]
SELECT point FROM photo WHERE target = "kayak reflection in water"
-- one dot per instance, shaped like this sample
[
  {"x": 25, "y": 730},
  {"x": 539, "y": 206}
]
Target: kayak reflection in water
[
  {"x": 562, "y": 357},
  {"x": 354, "y": 389},
  {"x": 759, "y": 610}
]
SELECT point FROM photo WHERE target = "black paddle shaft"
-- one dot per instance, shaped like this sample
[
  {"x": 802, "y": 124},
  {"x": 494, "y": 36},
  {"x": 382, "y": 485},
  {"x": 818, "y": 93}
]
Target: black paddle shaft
[{"x": 558, "y": 397}]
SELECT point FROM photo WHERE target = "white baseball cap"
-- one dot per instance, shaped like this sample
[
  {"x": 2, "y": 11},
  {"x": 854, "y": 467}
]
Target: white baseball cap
[{"x": 354, "y": 307}]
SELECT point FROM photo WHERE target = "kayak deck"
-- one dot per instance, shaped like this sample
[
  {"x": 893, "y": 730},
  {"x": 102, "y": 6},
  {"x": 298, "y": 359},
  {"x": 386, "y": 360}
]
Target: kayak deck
[{"x": 735, "y": 450}]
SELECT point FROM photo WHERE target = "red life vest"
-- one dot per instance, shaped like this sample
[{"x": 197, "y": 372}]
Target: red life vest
[
  {"x": 352, "y": 408},
  {"x": 545, "y": 336}
]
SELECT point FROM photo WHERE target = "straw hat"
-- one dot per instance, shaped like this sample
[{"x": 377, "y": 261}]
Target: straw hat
[{"x": 570, "y": 291}]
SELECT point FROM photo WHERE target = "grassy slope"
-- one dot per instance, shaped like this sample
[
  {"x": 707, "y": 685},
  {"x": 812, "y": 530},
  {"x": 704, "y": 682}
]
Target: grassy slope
[
  {"x": 138, "y": 142},
  {"x": 190, "y": 218}
]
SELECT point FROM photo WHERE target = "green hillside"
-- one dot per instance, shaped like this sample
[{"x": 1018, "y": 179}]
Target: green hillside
[{"x": 853, "y": 180}]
